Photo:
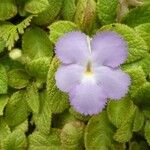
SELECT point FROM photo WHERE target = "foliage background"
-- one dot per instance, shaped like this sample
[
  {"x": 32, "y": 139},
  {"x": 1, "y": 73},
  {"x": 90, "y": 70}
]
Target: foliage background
[{"x": 34, "y": 114}]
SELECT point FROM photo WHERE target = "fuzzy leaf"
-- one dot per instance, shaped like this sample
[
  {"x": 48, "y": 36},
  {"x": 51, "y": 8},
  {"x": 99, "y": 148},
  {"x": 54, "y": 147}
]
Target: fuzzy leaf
[
  {"x": 58, "y": 29},
  {"x": 137, "y": 48},
  {"x": 50, "y": 13},
  {"x": 3, "y": 80},
  {"x": 107, "y": 11},
  {"x": 18, "y": 78},
  {"x": 38, "y": 68},
  {"x": 34, "y": 6},
  {"x": 68, "y": 9},
  {"x": 58, "y": 101},
  {"x": 16, "y": 109},
  {"x": 138, "y": 120},
  {"x": 39, "y": 141},
  {"x": 138, "y": 15},
  {"x": 119, "y": 112},
  {"x": 32, "y": 98},
  {"x": 98, "y": 133},
  {"x": 8, "y": 9},
  {"x": 3, "y": 102},
  {"x": 15, "y": 141},
  {"x": 147, "y": 131},
  {"x": 85, "y": 14},
  {"x": 38, "y": 45},
  {"x": 72, "y": 136},
  {"x": 43, "y": 118}
]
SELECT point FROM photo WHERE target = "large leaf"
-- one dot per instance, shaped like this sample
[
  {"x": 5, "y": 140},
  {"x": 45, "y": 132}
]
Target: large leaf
[
  {"x": 107, "y": 11},
  {"x": 16, "y": 109},
  {"x": 8, "y": 9},
  {"x": 39, "y": 141},
  {"x": 38, "y": 45},
  {"x": 58, "y": 29},
  {"x": 147, "y": 131},
  {"x": 58, "y": 101},
  {"x": 3, "y": 102},
  {"x": 137, "y": 48},
  {"x": 3, "y": 80}
]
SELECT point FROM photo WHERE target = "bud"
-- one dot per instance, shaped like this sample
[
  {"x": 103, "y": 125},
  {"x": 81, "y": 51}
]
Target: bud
[{"x": 15, "y": 54}]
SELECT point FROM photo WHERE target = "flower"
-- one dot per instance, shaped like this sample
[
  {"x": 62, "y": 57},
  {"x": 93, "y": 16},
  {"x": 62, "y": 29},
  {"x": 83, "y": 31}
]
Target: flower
[{"x": 90, "y": 71}]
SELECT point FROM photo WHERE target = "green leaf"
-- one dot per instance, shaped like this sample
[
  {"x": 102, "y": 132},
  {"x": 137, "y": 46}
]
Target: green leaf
[
  {"x": 32, "y": 98},
  {"x": 58, "y": 29},
  {"x": 107, "y": 11},
  {"x": 3, "y": 102},
  {"x": 68, "y": 9},
  {"x": 10, "y": 32},
  {"x": 8, "y": 9},
  {"x": 2, "y": 45},
  {"x": 49, "y": 15},
  {"x": 16, "y": 109},
  {"x": 138, "y": 120},
  {"x": 15, "y": 141},
  {"x": 72, "y": 136},
  {"x": 144, "y": 31},
  {"x": 137, "y": 48},
  {"x": 147, "y": 131},
  {"x": 34, "y": 6},
  {"x": 58, "y": 101},
  {"x": 85, "y": 14},
  {"x": 119, "y": 112},
  {"x": 43, "y": 118},
  {"x": 39, "y": 67},
  {"x": 39, "y": 141},
  {"x": 18, "y": 78},
  {"x": 138, "y": 15},
  {"x": 4, "y": 130},
  {"x": 38, "y": 45},
  {"x": 3, "y": 80},
  {"x": 98, "y": 133},
  {"x": 138, "y": 78}
]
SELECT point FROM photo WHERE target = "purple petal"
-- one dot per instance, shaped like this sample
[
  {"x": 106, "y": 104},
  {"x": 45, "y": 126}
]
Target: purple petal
[
  {"x": 68, "y": 76},
  {"x": 109, "y": 49},
  {"x": 88, "y": 98},
  {"x": 73, "y": 48},
  {"x": 113, "y": 81}
]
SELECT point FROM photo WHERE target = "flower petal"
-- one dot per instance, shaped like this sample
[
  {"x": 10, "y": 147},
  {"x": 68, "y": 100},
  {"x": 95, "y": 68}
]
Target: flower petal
[
  {"x": 88, "y": 98},
  {"x": 113, "y": 81},
  {"x": 73, "y": 48},
  {"x": 109, "y": 49},
  {"x": 68, "y": 76}
]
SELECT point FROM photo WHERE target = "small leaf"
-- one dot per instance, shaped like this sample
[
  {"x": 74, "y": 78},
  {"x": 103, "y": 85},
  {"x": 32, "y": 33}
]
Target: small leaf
[
  {"x": 15, "y": 141},
  {"x": 58, "y": 29},
  {"x": 34, "y": 6},
  {"x": 39, "y": 141},
  {"x": 2, "y": 45},
  {"x": 38, "y": 45},
  {"x": 8, "y": 9},
  {"x": 137, "y": 48},
  {"x": 3, "y": 80},
  {"x": 32, "y": 98},
  {"x": 107, "y": 11},
  {"x": 147, "y": 131},
  {"x": 16, "y": 109},
  {"x": 138, "y": 120},
  {"x": 85, "y": 14},
  {"x": 72, "y": 136},
  {"x": 99, "y": 133},
  {"x": 43, "y": 118},
  {"x": 3, "y": 102},
  {"x": 18, "y": 78},
  {"x": 69, "y": 9},
  {"x": 58, "y": 101},
  {"x": 138, "y": 15}
]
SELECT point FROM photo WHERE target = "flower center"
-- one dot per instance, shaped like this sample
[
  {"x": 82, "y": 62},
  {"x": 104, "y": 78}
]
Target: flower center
[{"x": 89, "y": 70}]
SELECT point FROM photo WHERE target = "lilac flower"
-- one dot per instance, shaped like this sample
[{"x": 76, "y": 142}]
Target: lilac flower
[{"x": 90, "y": 70}]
